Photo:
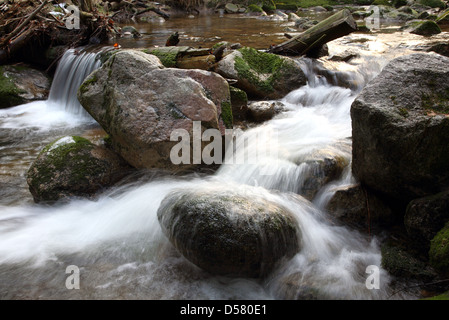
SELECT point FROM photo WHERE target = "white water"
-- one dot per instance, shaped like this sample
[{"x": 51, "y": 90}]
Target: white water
[
  {"x": 118, "y": 245},
  {"x": 62, "y": 108}
]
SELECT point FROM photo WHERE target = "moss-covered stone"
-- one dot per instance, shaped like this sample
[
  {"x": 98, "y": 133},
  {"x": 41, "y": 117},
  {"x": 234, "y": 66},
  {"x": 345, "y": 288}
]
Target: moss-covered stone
[
  {"x": 168, "y": 59},
  {"x": 254, "y": 8},
  {"x": 9, "y": 93},
  {"x": 433, "y": 3},
  {"x": 72, "y": 166},
  {"x": 261, "y": 69},
  {"x": 426, "y": 28},
  {"x": 239, "y": 103},
  {"x": 226, "y": 114},
  {"x": 402, "y": 264},
  {"x": 439, "y": 251}
]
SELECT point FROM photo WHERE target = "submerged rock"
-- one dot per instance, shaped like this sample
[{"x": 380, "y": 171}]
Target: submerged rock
[
  {"x": 140, "y": 103},
  {"x": 21, "y": 84},
  {"x": 227, "y": 232},
  {"x": 262, "y": 75},
  {"x": 73, "y": 167},
  {"x": 400, "y": 125}
]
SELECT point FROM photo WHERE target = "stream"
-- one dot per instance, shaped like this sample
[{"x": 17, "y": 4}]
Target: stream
[{"x": 116, "y": 241}]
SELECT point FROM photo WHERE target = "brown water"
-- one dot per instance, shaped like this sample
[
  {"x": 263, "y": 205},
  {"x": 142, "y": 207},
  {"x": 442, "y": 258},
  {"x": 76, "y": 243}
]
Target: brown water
[{"x": 206, "y": 30}]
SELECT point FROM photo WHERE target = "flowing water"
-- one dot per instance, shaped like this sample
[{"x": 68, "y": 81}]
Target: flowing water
[{"x": 116, "y": 240}]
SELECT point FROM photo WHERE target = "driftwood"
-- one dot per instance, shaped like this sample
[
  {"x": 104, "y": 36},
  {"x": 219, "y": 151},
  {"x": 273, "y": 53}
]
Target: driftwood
[
  {"x": 19, "y": 28},
  {"x": 338, "y": 25}
]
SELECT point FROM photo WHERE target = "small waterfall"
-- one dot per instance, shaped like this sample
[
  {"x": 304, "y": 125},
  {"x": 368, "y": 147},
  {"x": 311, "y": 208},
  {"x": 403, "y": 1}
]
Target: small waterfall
[
  {"x": 62, "y": 107},
  {"x": 74, "y": 66}
]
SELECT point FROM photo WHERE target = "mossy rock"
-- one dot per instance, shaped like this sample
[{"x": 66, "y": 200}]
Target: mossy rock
[
  {"x": 400, "y": 263},
  {"x": 262, "y": 75},
  {"x": 381, "y": 3},
  {"x": 439, "y": 251},
  {"x": 72, "y": 166},
  {"x": 9, "y": 93},
  {"x": 228, "y": 231},
  {"x": 239, "y": 103},
  {"x": 433, "y": 3},
  {"x": 21, "y": 84},
  {"x": 426, "y": 28},
  {"x": 254, "y": 8}
]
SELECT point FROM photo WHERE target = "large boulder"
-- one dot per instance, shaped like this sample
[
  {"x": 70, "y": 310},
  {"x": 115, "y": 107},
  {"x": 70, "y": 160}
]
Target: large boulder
[
  {"x": 227, "y": 232},
  {"x": 400, "y": 126},
  {"x": 139, "y": 103},
  {"x": 20, "y": 84},
  {"x": 262, "y": 75},
  {"x": 72, "y": 166}
]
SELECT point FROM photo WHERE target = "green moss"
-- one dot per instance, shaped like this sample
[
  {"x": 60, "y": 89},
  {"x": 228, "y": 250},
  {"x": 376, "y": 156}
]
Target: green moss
[
  {"x": 381, "y": 3},
  {"x": 168, "y": 59},
  {"x": 439, "y": 250},
  {"x": 443, "y": 296},
  {"x": 433, "y": 3},
  {"x": 401, "y": 263},
  {"x": 9, "y": 93},
  {"x": 436, "y": 102},
  {"x": 254, "y": 62},
  {"x": 71, "y": 163},
  {"x": 226, "y": 114},
  {"x": 90, "y": 80},
  {"x": 254, "y": 8}
]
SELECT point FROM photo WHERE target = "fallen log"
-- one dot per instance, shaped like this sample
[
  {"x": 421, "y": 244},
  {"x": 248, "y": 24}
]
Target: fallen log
[{"x": 338, "y": 25}]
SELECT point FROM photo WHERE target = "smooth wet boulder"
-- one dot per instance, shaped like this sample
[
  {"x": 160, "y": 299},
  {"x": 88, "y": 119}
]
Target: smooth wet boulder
[
  {"x": 426, "y": 216},
  {"x": 321, "y": 166},
  {"x": 72, "y": 166},
  {"x": 21, "y": 84},
  {"x": 139, "y": 103},
  {"x": 400, "y": 126},
  {"x": 356, "y": 206},
  {"x": 262, "y": 75},
  {"x": 227, "y": 232}
]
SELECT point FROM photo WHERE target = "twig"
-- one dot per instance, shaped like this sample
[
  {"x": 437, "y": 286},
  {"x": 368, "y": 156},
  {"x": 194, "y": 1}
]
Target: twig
[
  {"x": 27, "y": 20},
  {"x": 418, "y": 285}
]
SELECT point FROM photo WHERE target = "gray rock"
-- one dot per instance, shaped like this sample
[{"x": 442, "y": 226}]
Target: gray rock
[
  {"x": 399, "y": 127},
  {"x": 139, "y": 103},
  {"x": 228, "y": 232}
]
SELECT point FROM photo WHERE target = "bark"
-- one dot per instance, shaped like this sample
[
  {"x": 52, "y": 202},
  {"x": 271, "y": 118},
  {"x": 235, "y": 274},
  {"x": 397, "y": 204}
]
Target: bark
[{"x": 338, "y": 25}]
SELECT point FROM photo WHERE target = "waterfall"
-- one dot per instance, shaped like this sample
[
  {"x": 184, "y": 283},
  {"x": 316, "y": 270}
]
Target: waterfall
[
  {"x": 74, "y": 66},
  {"x": 62, "y": 107}
]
